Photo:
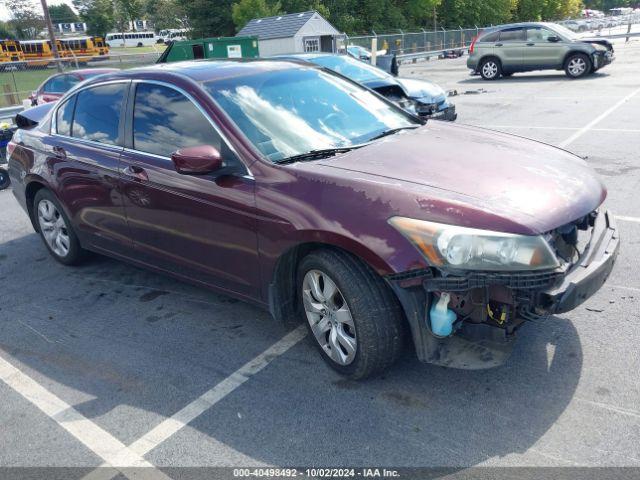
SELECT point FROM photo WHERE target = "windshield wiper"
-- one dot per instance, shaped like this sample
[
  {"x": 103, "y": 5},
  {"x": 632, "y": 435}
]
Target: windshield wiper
[
  {"x": 316, "y": 154},
  {"x": 392, "y": 131}
]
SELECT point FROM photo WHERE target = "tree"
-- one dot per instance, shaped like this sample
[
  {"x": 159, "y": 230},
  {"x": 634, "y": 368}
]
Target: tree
[
  {"x": 97, "y": 14},
  {"x": 26, "y": 21},
  {"x": 5, "y": 30},
  {"x": 164, "y": 14},
  {"x": 209, "y": 18},
  {"x": 62, "y": 14},
  {"x": 245, "y": 10},
  {"x": 126, "y": 11}
]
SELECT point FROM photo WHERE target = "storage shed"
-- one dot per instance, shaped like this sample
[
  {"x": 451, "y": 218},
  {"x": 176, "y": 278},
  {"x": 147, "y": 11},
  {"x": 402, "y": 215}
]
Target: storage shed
[{"x": 293, "y": 33}]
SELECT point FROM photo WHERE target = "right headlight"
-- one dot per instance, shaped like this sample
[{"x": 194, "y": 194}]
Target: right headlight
[{"x": 473, "y": 249}]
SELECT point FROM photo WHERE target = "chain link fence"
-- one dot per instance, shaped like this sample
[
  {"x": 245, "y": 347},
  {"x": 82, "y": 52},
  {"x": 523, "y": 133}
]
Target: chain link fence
[
  {"x": 19, "y": 79},
  {"x": 404, "y": 43}
]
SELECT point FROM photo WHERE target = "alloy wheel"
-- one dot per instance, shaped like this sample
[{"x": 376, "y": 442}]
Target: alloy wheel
[
  {"x": 490, "y": 69},
  {"x": 577, "y": 66},
  {"x": 329, "y": 317},
  {"x": 53, "y": 228}
]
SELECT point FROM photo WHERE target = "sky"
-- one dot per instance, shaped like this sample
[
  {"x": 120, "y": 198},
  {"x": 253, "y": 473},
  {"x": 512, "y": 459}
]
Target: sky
[{"x": 6, "y": 15}]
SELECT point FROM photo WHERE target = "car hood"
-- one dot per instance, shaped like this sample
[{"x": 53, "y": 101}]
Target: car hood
[
  {"x": 597, "y": 41},
  {"x": 532, "y": 185},
  {"x": 421, "y": 89}
]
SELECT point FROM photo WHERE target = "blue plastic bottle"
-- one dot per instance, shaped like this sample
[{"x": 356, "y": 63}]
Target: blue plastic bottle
[{"x": 441, "y": 317}]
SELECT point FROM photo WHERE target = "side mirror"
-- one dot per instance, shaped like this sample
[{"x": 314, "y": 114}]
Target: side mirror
[
  {"x": 198, "y": 160},
  {"x": 553, "y": 39}
]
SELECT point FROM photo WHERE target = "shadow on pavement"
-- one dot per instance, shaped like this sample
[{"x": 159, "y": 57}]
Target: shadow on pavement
[{"x": 119, "y": 337}]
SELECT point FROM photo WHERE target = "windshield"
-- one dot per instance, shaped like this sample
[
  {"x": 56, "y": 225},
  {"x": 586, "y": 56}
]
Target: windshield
[
  {"x": 293, "y": 111},
  {"x": 564, "y": 31},
  {"x": 350, "y": 67}
]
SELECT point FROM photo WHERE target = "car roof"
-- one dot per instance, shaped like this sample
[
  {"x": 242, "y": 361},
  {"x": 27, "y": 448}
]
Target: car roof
[
  {"x": 207, "y": 70},
  {"x": 518, "y": 25}
]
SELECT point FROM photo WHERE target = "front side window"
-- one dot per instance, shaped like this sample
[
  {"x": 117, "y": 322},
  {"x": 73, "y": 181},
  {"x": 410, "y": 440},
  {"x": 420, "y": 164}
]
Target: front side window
[
  {"x": 64, "y": 116},
  {"x": 290, "y": 111},
  {"x": 539, "y": 34},
  {"x": 58, "y": 84},
  {"x": 97, "y": 113},
  {"x": 512, "y": 35},
  {"x": 164, "y": 120}
]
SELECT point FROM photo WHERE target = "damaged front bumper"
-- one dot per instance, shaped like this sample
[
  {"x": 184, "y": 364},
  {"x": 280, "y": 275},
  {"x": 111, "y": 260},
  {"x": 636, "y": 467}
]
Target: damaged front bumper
[{"x": 482, "y": 339}]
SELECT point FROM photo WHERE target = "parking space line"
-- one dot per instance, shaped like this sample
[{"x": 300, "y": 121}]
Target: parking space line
[
  {"x": 176, "y": 422},
  {"x": 597, "y": 120},
  {"x": 96, "y": 439},
  {"x": 526, "y": 127},
  {"x": 627, "y": 219}
]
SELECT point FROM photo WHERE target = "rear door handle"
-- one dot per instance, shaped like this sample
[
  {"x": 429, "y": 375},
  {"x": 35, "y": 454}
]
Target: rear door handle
[
  {"x": 530, "y": 44},
  {"x": 135, "y": 172},
  {"x": 59, "y": 152}
]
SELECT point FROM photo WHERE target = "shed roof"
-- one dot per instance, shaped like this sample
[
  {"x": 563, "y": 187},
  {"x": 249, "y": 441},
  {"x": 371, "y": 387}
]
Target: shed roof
[{"x": 277, "y": 27}]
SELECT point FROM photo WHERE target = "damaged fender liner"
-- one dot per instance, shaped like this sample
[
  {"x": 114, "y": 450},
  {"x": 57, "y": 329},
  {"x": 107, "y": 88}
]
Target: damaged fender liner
[{"x": 481, "y": 345}]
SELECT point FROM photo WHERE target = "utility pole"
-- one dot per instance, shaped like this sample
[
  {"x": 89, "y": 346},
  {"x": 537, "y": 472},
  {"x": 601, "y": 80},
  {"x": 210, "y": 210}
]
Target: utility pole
[{"x": 52, "y": 36}]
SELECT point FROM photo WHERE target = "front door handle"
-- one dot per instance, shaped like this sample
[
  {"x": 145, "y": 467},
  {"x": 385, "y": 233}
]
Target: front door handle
[
  {"x": 498, "y": 44},
  {"x": 135, "y": 172},
  {"x": 530, "y": 44},
  {"x": 59, "y": 152}
]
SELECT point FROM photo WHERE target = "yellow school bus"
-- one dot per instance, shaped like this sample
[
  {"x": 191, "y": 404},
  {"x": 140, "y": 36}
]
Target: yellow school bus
[
  {"x": 38, "y": 52},
  {"x": 101, "y": 47},
  {"x": 82, "y": 48},
  {"x": 10, "y": 51}
]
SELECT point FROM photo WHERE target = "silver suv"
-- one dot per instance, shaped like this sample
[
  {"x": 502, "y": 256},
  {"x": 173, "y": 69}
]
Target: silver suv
[{"x": 523, "y": 47}]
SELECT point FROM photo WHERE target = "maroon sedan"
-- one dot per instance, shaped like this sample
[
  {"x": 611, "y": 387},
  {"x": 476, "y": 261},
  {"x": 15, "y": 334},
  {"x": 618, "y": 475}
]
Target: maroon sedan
[
  {"x": 54, "y": 87},
  {"x": 304, "y": 193}
]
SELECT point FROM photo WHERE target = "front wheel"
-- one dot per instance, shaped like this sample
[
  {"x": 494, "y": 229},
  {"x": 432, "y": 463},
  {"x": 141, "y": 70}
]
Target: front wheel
[
  {"x": 56, "y": 230},
  {"x": 353, "y": 317},
  {"x": 490, "y": 69},
  {"x": 577, "y": 65}
]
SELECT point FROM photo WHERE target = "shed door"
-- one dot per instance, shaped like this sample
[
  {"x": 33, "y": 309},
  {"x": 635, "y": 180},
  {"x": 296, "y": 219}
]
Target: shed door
[
  {"x": 198, "y": 51},
  {"x": 326, "y": 44}
]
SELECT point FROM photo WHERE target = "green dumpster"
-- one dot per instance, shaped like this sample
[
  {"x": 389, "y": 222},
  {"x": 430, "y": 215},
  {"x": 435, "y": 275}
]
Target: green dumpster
[{"x": 220, "y": 47}]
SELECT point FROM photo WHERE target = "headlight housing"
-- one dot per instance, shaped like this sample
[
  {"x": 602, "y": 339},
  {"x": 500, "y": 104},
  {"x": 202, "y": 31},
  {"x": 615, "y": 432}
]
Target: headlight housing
[{"x": 473, "y": 249}]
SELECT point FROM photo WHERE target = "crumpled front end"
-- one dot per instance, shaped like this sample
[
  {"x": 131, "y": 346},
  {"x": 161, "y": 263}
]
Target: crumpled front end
[{"x": 490, "y": 307}]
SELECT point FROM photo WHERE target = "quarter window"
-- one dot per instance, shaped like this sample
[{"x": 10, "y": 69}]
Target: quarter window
[
  {"x": 64, "y": 116},
  {"x": 164, "y": 121},
  {"x": 97, "y": 113}
]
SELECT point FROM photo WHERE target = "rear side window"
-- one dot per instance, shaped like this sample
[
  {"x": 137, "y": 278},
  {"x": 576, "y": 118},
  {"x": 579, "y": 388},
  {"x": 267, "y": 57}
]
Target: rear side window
[
  {"x": 164, "y": 121},
  {"x": 490, "y": 37},
  {"x": 97, "y": 113},
  {"x": 64, "y": 116},
  {"x": 512, "y": 35}
]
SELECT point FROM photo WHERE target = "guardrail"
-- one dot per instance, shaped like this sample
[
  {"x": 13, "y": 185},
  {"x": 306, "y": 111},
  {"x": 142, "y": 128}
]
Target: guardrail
[{"x": 10, "y": 112}]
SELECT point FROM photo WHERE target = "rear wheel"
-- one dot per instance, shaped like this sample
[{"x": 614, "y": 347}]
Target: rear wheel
[
  {"x": 490, "y": 69},
  {"x": 56, "y": 230},
  {"x": 4, "y": 179},
  {"x": 353, "y": 317},
  {"x": 577, "y": 65}
]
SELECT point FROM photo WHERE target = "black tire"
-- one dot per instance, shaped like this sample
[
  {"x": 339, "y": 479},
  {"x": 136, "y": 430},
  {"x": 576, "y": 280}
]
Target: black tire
[
  {"x": 507, "y": 74},
  {"x": 75, "y": 254},
  {"x": 4, "y": 179},
  {"x": 140, "y": 44},
  {"x": 577, "y": 65},
  {"x": 490, "y": 68},
  {"x": 375, "y": 311}
]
